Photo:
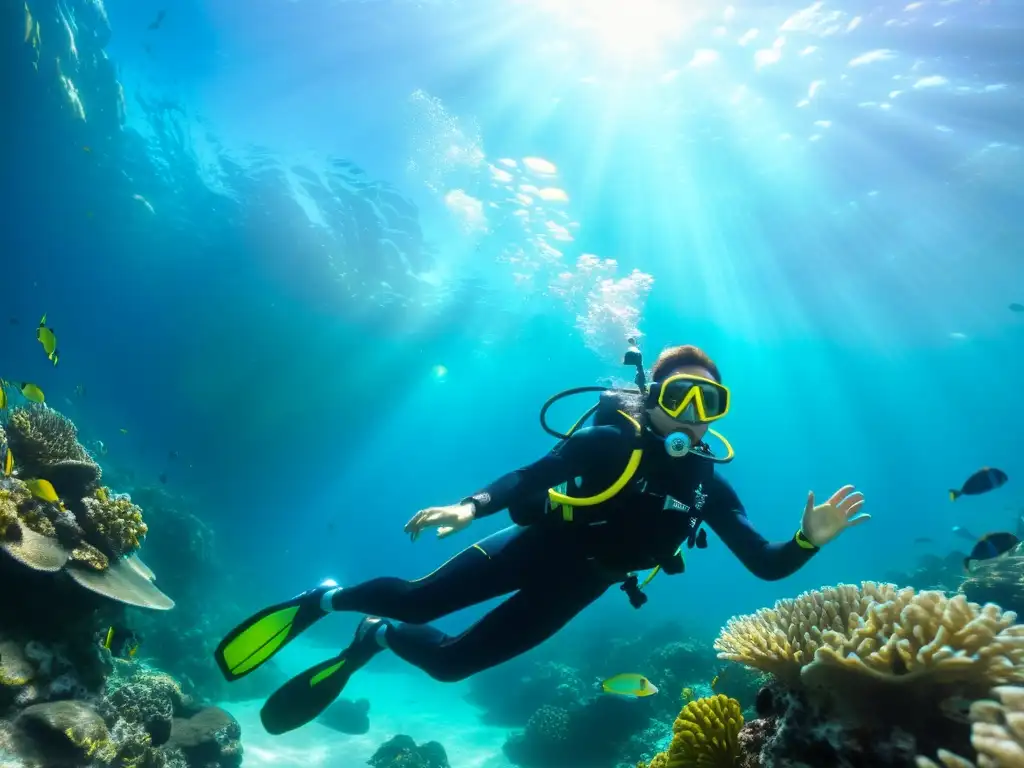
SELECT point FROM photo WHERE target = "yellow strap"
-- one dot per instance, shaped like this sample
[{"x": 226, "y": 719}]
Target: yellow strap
[
  {"x": 657, "y": 569},
  {"x": 607, "y": 493},
  {"x": 557, "y": 497},
  {"x": 802, "y": 540}
]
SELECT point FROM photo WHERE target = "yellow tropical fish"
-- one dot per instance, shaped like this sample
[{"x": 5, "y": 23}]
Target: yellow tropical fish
[
  {"x": 43, "y": 490},
  {"x": 687, "y": 694},
  {"x": 102, "y": 495},
  {"x": 48, "y": 339},
  {"x": 8, "y": 462},
  {"x": 3, "y": 395},
  {"x": 629, "y": 684},
  {"x": 32, "y": 392}
]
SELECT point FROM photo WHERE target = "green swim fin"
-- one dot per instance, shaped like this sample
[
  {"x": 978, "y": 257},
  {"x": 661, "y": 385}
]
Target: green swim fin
[
  {"x": 260, "y": 636},
  {"x": 309, "y": 693}
]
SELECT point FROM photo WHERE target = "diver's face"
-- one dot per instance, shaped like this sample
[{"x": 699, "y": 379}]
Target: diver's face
[{"x": 664, "y": 424}]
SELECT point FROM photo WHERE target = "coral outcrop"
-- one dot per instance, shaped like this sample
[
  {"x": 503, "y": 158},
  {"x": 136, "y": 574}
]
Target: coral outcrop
[
  {"x": 878, "y": 634},
  {"x": 598, "y": 732},
  {"x": 140, "y": 718},
  {"x": 86, "y": 531},
  {"x": 872, "y": 670},
  {"x": 1000, "y": 581},
  {"x": 402, "y": 752},
  {"x": 45, "y": 442}
]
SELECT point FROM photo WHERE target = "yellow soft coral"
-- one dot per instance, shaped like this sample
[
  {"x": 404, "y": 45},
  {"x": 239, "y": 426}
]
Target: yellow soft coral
[
  {"x": 705, "y": 735},
  {"x": 117, "y": 520},
  {"x": 881, "y": 632},
  {"x": 997, "y": 733}
]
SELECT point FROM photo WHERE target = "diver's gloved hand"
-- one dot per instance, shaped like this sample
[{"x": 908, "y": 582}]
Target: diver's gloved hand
[
  {"x": 824, "y": 522},
  {"x": 447, "y": 520}
]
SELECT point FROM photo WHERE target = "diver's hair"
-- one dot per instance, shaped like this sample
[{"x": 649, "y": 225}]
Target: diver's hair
[{"x": 677, "y": 357}]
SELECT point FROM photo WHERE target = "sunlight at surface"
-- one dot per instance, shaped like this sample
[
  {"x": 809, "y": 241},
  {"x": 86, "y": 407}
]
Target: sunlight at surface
[{"x": 624, "y": 28}]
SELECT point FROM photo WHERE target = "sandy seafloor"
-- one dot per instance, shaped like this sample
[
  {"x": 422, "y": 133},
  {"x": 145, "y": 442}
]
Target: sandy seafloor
[{"x": 412, "y": 704}]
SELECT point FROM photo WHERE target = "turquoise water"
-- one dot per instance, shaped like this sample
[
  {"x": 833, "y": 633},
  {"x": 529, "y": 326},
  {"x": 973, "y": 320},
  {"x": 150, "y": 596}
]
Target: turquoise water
[{"x": 315, "y": 265}]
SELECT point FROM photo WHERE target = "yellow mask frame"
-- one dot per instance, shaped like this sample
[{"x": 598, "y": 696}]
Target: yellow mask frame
[{"x": 694, "y": 397}]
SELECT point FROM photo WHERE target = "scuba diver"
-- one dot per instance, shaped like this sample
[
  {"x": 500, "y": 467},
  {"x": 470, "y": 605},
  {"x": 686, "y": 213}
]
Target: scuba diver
[{"x": 626, "y": 494}]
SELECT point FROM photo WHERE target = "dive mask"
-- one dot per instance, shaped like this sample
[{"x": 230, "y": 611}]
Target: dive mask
[{"x": 691, "y": 399}]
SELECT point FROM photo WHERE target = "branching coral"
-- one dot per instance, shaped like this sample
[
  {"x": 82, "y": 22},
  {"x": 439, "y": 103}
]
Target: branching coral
[
  {"x": 876, "y": 630},
  {"x": 117, "y": 520},
  {"x": 706, "y": 734},
  {"x": 40, "y": 437},
  {"x": 997, "y": 733}
]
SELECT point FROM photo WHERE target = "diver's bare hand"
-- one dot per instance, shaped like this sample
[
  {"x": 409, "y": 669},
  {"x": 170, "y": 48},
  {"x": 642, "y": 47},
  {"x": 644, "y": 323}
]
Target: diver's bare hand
[
  {"x": 448, "y": 520},
  {"x": 824, "y": 522}
]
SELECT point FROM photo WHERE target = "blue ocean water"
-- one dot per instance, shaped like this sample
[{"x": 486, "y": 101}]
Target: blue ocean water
[{"x": 319, "y": 263}]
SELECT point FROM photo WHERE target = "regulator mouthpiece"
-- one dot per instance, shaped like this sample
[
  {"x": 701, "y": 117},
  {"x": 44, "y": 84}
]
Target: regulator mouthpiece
[{"x": 678, "y": 444}]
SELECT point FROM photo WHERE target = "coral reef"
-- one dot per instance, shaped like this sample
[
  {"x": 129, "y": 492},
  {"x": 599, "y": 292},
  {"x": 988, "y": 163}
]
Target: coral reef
[
  {"x": 141, "y": 719},
  {"x": 941, "y": 572},
  {"x": 997, "y": 733},
  {"x": 1000, "y": 581},
  {"x": 705, "y": 734},
  {"x": 117, "y": 521},
  {"x": 402, "y": 752},
  {"x": 846, "y": 635},
  {"x": 44, "y": 440},
  {"x": 792, "y": 731},
  {"x": 871, "y": 670},
  {"x": 87, "y": 532}
]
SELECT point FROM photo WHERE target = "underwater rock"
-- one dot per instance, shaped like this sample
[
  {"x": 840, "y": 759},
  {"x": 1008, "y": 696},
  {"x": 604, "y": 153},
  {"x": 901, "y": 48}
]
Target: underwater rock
[
  {"x": 402, "y": 752},
  {"x": 63, "y": 733},
  {"x": 210, "y": 738},
  {"x": 804, "y": 733},
  {"x": 147, "y": 698},
  {"x": 345, "y": 716},
  {"x": 15, "y": 668}
]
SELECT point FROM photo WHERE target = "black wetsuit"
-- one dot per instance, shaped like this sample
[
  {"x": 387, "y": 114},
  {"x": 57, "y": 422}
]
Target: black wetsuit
[{"x": 556, "y": 568}]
